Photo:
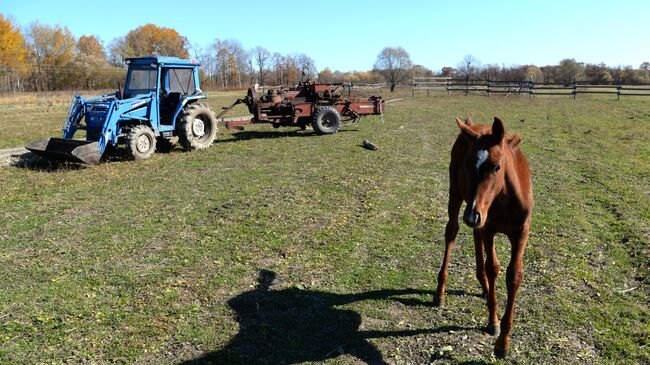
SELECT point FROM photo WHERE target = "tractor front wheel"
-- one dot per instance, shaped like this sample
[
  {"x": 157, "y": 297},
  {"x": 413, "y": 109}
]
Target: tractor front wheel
[
  {"x": 197, "y": 127},
  {"x": 141, "y": 142},
  {"x": 326, "y": 120}
]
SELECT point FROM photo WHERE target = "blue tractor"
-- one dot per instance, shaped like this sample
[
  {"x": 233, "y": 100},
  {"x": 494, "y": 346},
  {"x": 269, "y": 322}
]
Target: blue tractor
[{"x": 160, "y": 104}]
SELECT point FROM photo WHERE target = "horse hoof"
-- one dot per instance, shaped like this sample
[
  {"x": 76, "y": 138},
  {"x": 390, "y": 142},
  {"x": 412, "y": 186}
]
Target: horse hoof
[
  {"x": 500, "y": 353},
  {"x": 493, "y": 330},
  {"x": 438, "y": 302}
]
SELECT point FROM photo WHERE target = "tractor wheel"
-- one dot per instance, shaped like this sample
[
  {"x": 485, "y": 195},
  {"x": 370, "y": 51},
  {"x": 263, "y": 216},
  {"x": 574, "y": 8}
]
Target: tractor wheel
[
  {"x": 197, "y": 127},
  {"x": 326, "y": 120},
  {"x": 141, "y": 142}
]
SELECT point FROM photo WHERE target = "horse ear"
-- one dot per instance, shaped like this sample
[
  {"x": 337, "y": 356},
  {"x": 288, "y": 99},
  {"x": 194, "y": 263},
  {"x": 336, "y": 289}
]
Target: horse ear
[
  {"x": 498, "y": 130},
  {"x": 466, "y": 130},
  {"x": 513, "y": 140},
  {"x": 469, "y": 120}
]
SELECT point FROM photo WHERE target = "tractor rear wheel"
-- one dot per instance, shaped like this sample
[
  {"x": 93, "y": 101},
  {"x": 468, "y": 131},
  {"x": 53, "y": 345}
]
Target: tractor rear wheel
[
  {"x": 326, "y": 120},
  {"x": 197, "y": 127},
  {"x": 141, "y": 142}
]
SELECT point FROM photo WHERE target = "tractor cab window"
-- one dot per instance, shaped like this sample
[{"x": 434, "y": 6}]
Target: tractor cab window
[
  {"x": 142, "y": 80},
  {"x": 179, "y": 80}
]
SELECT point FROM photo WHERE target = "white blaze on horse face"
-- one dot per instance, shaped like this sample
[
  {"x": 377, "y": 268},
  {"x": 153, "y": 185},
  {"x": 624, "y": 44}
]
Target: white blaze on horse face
[{"x": 482, "y": 156}]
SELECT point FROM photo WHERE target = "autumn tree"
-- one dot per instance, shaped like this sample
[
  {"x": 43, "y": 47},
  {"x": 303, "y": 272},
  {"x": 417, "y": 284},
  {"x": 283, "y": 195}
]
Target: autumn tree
[
  {"x": 447, "y": 71},
  {"x": 326, "y": 75},
  {"x": 13, "y": 53},
  {"x": 52, "y": 52},
  {"x": 568, "y": 70},
  {"x": 394, "y": 64},
  {"x": 534, "y": 74},
  {"x": 231, "y": 63},
  {"x": 598, "y": 74},
  {"x": 90, "y": 46},
  {"x": 92, "y": 66},
  {"x": 629, "y": 75},
  {"x": 147, "y": 40},
  {"x": 420, "y": 71}
]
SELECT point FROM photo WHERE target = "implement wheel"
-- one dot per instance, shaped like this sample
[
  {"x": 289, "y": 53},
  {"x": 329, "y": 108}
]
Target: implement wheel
[
  {"x": 326, "y": 120},
  {"x": 141, "y": 142},
  {"x": 197, "y": 127}
]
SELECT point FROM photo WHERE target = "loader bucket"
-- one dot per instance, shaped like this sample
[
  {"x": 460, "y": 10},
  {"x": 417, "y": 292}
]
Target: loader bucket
[{"x": 63, "y": 149}]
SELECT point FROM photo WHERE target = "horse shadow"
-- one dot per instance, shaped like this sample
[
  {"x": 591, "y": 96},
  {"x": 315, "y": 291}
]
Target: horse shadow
[{"x": 290, "y": 326}]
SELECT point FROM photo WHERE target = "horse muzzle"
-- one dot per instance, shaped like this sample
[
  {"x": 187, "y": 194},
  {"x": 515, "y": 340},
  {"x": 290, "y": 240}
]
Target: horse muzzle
[{"x": 472, "y": 217}]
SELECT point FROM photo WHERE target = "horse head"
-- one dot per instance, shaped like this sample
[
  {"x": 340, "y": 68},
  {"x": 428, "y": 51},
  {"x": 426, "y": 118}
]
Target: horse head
[{"x": 483, "y": 165}]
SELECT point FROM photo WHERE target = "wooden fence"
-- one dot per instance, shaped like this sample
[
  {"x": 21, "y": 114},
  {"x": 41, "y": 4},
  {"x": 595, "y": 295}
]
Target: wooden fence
[{"x": 489, "y": 87}]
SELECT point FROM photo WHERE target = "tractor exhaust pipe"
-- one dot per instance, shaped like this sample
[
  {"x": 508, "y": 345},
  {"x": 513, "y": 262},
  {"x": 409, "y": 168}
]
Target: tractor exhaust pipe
[{"x": 63, "y": 149}]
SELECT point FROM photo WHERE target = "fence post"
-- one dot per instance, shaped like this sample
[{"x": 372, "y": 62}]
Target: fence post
[
  {"x": 575, "y": 88},
  {"x": 488, "y": 87},
  {"x": 447, "y": 86},
  {"x": 467, "y": 86},
  {"x": 618, "y": 89}
]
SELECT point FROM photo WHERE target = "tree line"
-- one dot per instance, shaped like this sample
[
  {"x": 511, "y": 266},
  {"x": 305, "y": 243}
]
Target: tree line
[
  {"x": 45, "y": 58},
  {"x": 566, "y": 71}
]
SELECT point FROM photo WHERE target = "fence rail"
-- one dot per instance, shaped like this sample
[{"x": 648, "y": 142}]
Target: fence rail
[{"x": 488, "y": 87}]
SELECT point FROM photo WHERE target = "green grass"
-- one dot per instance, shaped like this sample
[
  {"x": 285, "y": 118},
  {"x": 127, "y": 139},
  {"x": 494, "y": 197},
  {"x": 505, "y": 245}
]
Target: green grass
[{"x": 156, "y": 261}]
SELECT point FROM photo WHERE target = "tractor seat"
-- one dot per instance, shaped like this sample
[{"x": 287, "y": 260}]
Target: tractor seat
[{"x": 168, "y": 104}]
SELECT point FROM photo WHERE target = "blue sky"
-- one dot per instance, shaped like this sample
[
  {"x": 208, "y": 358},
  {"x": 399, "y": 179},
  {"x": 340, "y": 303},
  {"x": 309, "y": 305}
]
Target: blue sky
[{"x": 348, "y": 35}]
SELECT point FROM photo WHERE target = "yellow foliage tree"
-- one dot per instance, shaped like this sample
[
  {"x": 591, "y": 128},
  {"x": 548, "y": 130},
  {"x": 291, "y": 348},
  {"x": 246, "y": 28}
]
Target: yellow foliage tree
[
  {"x": 151, "y": 39},
  {"x": 90, "y": 46},
  {"x": 13, "y": 53},
  {"x": 52, "y": 54}
]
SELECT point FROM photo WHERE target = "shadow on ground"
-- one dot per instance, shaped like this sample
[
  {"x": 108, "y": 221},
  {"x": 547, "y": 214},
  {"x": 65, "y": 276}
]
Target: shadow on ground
[
  {"x": 32, "y": 162},
  {"x": 290, "y": 326},
  {"x": 266, "y": 134}
]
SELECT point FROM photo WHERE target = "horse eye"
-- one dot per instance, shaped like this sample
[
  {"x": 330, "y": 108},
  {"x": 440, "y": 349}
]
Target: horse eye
[{"x": 497, "y": 168}]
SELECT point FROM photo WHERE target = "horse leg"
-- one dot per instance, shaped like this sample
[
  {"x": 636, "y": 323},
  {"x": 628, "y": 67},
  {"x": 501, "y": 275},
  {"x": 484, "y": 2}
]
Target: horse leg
[
  {"x": 491, "y": 271},
  {"x": 451, "y": 230},
  {"x": 480, "y": 267},
  {"x": 514, "y": 276}
]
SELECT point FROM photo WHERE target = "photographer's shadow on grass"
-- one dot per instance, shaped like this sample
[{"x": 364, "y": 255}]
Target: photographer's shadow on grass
[{"x": 292, "y": 325}]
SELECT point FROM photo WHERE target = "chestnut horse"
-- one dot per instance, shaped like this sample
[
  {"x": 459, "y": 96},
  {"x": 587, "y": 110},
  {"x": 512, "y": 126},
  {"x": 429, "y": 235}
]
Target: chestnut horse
[{"x": 490, "y": 173}]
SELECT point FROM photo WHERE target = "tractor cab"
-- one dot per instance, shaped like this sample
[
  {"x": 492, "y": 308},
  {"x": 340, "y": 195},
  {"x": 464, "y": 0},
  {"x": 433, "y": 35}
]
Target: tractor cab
[{"x": 170, "y": 79}]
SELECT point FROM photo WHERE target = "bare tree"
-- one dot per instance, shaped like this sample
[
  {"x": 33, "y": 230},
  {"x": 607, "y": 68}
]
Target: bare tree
[
  {"x": 306, "y": 65},
  {"x": 394, "y": 64},
  {"x": 231, "y": 62},
  {"x": 262, "y": 58},
  {"x": 469, "y": 67},
  {"x": 278, "y": 63}
]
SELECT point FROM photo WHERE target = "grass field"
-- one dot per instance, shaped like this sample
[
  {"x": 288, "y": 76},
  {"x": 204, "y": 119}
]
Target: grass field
[{"x": 161, "y": 261}]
